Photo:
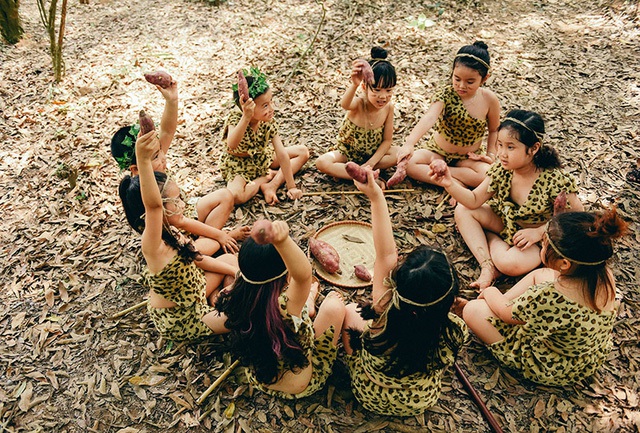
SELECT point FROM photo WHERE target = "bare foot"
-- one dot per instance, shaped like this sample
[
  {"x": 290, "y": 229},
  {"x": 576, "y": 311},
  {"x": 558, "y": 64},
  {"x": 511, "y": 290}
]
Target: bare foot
[
  {"x": 488, "y": 273},
  {"x": 313, "y": 295},
  {"x": 458, "y": 305},
  {"x": 382, "y": 183},
  {"x": 240, "y": 233},
  {"x": 271, "y": 175},
  {"x": 269, "y": 192}
]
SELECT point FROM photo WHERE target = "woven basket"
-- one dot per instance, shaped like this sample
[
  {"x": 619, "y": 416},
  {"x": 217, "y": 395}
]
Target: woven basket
[{"x": 344, "y": 236}]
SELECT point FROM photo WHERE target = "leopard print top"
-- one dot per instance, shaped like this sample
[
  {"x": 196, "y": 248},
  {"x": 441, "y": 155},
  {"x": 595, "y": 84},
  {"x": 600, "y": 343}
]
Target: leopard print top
[
  {"x": 561, "y": 341},
  {"x": 537, "y": 209},
  {"x": 455, "y": 123},
  {"x": 321, "y": 351},
  {"x": 257, "y": 144},
  {"x": 183, "y": 283},
  {"x": 405, "y": 396},
  {"x": 358, "y": 144}
]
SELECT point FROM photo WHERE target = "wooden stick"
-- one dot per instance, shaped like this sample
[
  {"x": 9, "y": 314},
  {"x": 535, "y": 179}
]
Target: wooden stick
[
  {"x": 486, "y": 413},
  {"x": 130, "y": 309},
  {"x": 218, "y": 381},
  {"x": 350, "y": 192},
  {"x": 443, "y": 201}
]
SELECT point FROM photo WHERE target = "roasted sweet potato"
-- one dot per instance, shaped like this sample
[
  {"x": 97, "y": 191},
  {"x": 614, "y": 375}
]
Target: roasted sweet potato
[
  {"x": 438, "y": 167},
  {"x": 358, "y": 173},
  {"x": 560, "y": 203},
  {"x": 146, "y": 124},
  {"x": 160, "y": 78},
  {"x": 362, "y": 272},
  {"x": 325, "y": 254},
  {"x": 261, "y": 232},
  {"x": 243, "y": 87},
  {"x": 400, "y": 174},
  {"x": 367, "y": 72}
]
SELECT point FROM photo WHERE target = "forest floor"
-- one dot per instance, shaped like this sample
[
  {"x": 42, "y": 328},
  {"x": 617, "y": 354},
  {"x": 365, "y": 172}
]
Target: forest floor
[{"x": 70, "y": 261}]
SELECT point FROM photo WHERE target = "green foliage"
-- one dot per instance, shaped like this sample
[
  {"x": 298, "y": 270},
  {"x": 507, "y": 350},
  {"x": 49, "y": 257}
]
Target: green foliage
[{"x": 259, "y": 85}]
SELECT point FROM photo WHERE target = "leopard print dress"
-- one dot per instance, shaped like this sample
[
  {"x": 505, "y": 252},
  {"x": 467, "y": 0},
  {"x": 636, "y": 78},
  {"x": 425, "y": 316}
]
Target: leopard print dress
[
  {"x": 356, "y": 143},
  {"x": 455, "y": 124},
  {"x": 257, "y": 144},
  {"x": 321, "y": 351},
  {"x": 537, "y": 209},
  {"x": 561, "y": 341},
  {"x": 183, "y": 283},
  {"x": 405, "y": 396}
]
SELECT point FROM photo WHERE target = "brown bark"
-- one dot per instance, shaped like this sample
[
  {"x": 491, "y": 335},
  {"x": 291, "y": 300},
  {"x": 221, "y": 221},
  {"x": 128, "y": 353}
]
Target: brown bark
[{"x": 10, "y": 25}]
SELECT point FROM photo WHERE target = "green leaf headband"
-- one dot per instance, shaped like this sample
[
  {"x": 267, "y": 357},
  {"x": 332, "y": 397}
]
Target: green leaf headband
[
  {"x": 124, "y": 161},
  {"x": 259, "y": 84}
]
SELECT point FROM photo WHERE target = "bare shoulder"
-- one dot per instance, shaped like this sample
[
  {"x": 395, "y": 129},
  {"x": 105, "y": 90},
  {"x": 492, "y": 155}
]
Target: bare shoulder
[{"x": 544, "y": 274}]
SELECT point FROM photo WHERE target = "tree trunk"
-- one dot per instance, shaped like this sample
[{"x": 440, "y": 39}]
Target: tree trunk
[{"x": 10, "y": 26}]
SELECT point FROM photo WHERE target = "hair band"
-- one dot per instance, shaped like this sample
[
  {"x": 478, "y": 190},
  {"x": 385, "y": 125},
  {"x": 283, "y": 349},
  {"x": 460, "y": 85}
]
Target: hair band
[
  {"x": 397, "y": 297},
  {"x": 265, "y": 281},
  {"x": 476, "y": 58},
  {"x": 578, "y": 262},
  {"x": 524, "y": 125}
]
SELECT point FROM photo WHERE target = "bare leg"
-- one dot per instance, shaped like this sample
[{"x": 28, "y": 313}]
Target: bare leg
[
  {"x": 472, "y": 224},
  {"x": 214, "y": 208},
  {"x": 475, "y": 315},
  {"x": 216, "y": 281},
  {"x": 330, "y": 313},
  {"x": 352, "y": 320},
  {"x": 389, "y": 159},
  {"x": 417, "y": 168},
  {"x": 298, "y": 155},
  {"x": 332, "y": 163},
  {"x": 206, "y": 246},
  {"x": 313, "y": 295},
  {"x": 240, "y": 233},
  {"x": 470, "y": 173},
  {"x": 512, "y": 260},
  {"x": 243, "y": 191}
]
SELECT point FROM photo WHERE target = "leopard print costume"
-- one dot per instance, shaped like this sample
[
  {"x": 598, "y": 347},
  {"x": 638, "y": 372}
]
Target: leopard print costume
[
  {"x": 358, "y": 144},
  {"x": 321, "y": 351},
  {"x": 455, "y": 123},
  {"x": 182, "y": 282},
  {"x": 257, "y": 144},
  {"x": 561, "y": 341},
  {"x": 538, "y": 208},
  {"x": 405, "y": 396}
]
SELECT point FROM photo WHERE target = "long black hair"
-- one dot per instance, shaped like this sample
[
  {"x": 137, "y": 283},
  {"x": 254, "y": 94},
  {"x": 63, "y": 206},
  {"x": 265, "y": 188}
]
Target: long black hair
[
  {"x": 411, "y": 335},
  {"x": 259, "y": 336}
]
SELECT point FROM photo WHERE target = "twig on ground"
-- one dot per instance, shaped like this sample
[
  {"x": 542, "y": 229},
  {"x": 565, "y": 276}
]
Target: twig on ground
[
  {"x": 351, "y": 192},
  {"x": 130, "y": 309},
  {"x": 215, "y": 384},
  {"x": 486, "y": 413}
]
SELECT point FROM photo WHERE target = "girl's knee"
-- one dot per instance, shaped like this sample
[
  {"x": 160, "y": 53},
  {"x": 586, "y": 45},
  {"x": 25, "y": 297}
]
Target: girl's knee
[
  {"x": 324, "y": 162},
  {"x": 515, "y": 266},
  {"x": 474, "y": 311},
  {"x": 334, "y": 305}
]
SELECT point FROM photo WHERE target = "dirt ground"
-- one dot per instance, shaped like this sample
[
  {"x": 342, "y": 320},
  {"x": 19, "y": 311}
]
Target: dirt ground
[{"x": 70, "y": 261}]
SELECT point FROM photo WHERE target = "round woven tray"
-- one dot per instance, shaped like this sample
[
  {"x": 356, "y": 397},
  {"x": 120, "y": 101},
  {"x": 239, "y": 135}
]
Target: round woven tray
[{"x": 344, "y": 236}]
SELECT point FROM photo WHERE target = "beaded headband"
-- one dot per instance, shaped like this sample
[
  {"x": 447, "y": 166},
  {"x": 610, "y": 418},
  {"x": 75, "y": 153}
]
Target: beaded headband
[
  {"x": 578, "y": 262},
  {"x": 524, "y": 125},
  {"x": 397, "y": 297},
  {"x": 262, "y": 282},
  {"x": 476, "y": 58}
]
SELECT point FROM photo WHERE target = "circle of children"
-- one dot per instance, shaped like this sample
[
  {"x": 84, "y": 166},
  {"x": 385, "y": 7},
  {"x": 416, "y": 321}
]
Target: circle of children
[{"x": 553, "y": 327}]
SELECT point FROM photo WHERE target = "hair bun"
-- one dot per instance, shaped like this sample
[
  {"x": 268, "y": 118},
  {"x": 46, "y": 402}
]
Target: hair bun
[
  {"x": 609, "y": 225},
  {"x": 481, "y": 44},
  {"x": 378, "y": 53}
]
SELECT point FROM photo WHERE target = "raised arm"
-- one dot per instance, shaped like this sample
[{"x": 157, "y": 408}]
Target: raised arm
[
  {"x": 169, "y": 121},
  {"x": 383, "y": 241},
  {"x": 146, "y": 146},
  {"x": 348, "y": 102},
  {"x": 236, "y": 132},
  {"x": 297, "y": 264}
]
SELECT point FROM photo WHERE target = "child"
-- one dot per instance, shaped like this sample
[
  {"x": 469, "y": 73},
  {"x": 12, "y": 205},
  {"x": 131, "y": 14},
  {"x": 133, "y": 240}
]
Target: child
[
  {"x": 178, "y": 289},
  {"x": 253, "y": 147},
  {"x": 459, "y": 114},
  {"x": 502, "y": 220},
  {"x": 397, "y": 359},
  {"x": 555, "y": 325},
  {"x": 269, "y": 309},
  {"x": 366, "y": 134},
  {"x": 211, "y": 211}
]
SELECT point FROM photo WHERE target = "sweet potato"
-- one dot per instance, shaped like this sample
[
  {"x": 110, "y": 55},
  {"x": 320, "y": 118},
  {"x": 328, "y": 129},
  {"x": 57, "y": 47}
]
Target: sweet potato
[
  {"x": 325, "y": 254},
  {"x": 438, "y": 167},
  {"x": 400, "y": 174},
  {"x": 358, "y": 173},
  {"x": 367, "y": 72},
  {"x": 146, "y": 124},
  {"x": 261, "y": 232},
  {"x": 243, "y": 87},
  {"x": 159, "y": 78},
  {"x": 560, "y": 203},
  {"x": 362, "y": 272}
]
